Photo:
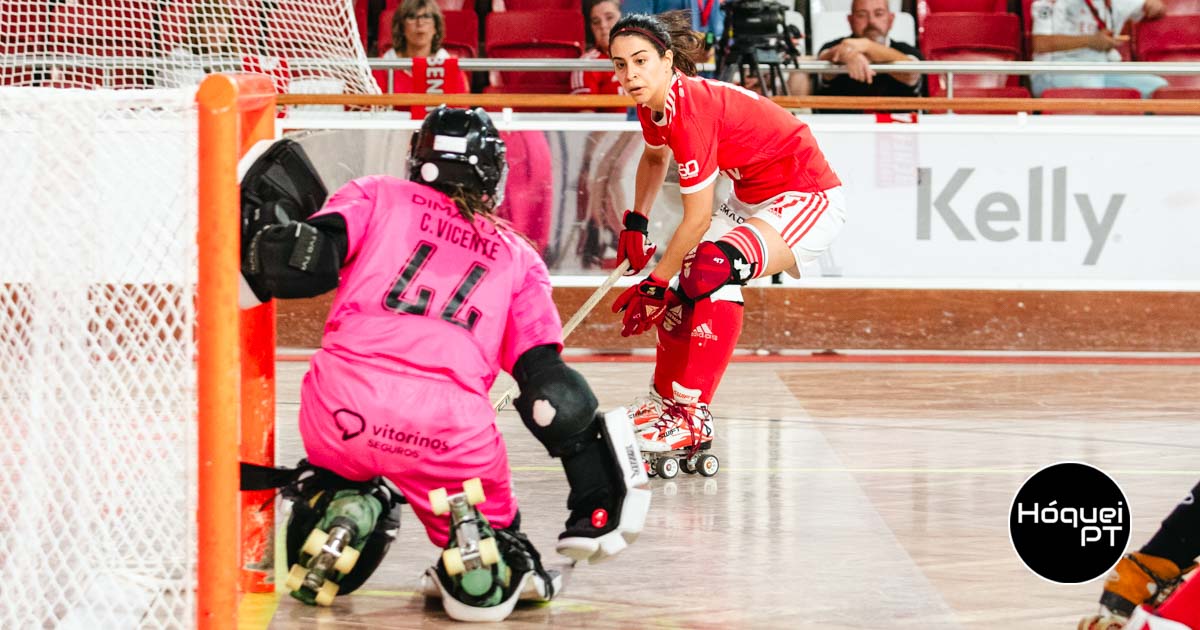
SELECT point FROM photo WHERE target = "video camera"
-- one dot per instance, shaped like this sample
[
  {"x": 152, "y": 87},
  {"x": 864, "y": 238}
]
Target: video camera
[{"x": 756, "y": 34}]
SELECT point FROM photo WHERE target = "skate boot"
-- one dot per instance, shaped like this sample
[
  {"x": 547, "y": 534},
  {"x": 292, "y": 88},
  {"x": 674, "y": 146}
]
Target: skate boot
[
  {"x": 483, "y": 572},
  {"x": 645, "y": 410},
  {"x": 1137, "y": 579},
  {"x": 332, "y": 548},
  {"x": 680, "y": 437},
  {"x": 607, "y": 519}
]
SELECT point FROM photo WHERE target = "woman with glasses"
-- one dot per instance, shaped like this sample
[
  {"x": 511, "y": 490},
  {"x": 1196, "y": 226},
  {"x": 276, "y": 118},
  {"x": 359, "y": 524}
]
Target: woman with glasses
[{"x": 418, "y": 30}]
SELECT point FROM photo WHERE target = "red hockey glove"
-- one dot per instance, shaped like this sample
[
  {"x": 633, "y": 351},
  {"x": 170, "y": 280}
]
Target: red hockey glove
[
  {"x": 632, "y": 245},
  {"x": 645, "y": 304}
]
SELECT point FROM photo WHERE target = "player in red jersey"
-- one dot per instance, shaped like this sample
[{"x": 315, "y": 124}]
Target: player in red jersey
[{"x": 785, "y": 210}]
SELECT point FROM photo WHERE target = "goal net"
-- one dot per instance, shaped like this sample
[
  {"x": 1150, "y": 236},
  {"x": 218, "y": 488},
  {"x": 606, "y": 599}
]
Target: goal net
[
  {"x": 306, "y": 46},
  {"x": 98, "y": 407}
]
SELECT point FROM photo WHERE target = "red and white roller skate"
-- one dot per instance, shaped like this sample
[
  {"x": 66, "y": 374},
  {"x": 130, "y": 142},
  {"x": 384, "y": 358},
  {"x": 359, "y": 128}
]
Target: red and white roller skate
[
  {"x": 645, "y": 410},
  {"x": 680, "y": 437}
]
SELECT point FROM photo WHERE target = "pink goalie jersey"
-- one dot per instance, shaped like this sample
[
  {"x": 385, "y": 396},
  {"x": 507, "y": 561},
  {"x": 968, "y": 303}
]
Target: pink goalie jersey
[{"x": 425, "y": 293}]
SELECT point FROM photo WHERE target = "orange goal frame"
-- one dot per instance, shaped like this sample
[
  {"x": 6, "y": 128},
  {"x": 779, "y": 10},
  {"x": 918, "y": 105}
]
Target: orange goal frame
[{"x": 235, "y": 356}]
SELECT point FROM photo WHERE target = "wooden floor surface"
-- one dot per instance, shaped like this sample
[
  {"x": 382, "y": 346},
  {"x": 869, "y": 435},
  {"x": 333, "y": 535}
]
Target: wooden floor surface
[{"x": 850, "y": 496}]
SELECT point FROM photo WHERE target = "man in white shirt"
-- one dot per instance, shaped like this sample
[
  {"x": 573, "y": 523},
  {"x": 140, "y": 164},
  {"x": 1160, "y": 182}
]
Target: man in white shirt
[{"x": 1087, "y": 30}]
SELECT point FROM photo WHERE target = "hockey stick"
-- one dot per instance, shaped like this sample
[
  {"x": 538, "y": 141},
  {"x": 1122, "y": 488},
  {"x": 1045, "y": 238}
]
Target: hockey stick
[{"x": 574, "y": 322}]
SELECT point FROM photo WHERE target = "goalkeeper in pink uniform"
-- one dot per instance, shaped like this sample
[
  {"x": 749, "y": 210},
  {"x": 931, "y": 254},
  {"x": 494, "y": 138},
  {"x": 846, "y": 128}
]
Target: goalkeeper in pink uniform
[{"x": 435, "y": 296}]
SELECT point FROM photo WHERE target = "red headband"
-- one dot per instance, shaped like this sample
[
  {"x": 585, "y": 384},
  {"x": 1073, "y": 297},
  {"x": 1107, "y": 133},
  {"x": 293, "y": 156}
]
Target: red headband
[{"x": 641, "y": 31}]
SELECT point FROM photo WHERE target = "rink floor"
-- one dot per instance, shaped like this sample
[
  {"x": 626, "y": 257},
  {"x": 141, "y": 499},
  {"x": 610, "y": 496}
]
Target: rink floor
[{"x": 851, "y": 495}]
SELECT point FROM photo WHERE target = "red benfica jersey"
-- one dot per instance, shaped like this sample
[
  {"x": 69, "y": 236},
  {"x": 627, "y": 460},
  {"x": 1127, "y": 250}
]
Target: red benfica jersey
[{"x": 713, "y": 126}]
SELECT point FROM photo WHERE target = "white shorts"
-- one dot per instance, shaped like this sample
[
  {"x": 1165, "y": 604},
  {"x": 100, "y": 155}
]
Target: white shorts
[{"x": 808, "y": 222}]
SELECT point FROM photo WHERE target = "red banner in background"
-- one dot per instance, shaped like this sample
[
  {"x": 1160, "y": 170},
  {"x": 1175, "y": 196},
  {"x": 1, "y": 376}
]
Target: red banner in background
[{"x": 436, "y": 76}]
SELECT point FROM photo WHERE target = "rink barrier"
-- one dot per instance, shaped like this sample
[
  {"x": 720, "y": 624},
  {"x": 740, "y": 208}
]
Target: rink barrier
[{"x": 570, "y": 101}]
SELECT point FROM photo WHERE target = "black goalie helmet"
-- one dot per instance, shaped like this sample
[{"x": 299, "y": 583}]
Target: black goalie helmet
[{"x": 459, "y": 148}]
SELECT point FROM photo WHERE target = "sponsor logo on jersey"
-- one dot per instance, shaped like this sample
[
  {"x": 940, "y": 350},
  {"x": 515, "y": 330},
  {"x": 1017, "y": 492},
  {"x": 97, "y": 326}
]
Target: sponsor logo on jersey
[{"x": 689, "y": 169}]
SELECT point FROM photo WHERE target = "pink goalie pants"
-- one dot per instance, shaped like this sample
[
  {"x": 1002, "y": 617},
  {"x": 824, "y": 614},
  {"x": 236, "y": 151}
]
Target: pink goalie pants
[{"x": 420, "y": 433}]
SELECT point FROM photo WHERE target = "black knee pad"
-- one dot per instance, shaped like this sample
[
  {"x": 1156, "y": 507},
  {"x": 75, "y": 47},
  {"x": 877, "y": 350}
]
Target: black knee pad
[
  {"x": 556, "y": 404},
  {"x": 311, "y": 495}
]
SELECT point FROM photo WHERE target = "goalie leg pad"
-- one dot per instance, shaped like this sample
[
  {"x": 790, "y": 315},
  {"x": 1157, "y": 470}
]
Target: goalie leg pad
[
  {"x": 318, "y": 491},
  {"x": 711, "y": 266},
  {"x": 599, "y": 531}
]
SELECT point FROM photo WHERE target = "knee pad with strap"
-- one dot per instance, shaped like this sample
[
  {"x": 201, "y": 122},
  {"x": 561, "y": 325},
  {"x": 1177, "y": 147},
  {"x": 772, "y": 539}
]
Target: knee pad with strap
[
  {"x": 712, "y": 265},
  {"x": 556, "y": 404}
]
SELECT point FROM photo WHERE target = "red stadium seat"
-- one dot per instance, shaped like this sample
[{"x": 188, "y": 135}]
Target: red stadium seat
[
  {"x": 554, "y": 34},
  {"x": 103, "y": 27},
  {"x": 360, "y": 18},
  {"x": 107, "y": 28},
  {"x": 1089, "y": 94},
  {"x": 539, "y": 5},
  {"x": 1189, "y": 94},
  {"x": 462, "y": 33},
  {"x": 23, "y": 35},
  {"x": 1170, "y": 38},
  {"x": 925, "y": 7},
  {"x": 1177, "y": 93},
  {"x": 383, "y": 38},
  {"x": 986, "y": 92},
  {"x": 972, "y": 37}
]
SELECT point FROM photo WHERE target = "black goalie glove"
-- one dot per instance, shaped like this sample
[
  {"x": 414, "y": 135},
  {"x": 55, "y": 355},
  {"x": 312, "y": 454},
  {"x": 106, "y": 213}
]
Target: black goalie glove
[{"x": 280, "y": 187}]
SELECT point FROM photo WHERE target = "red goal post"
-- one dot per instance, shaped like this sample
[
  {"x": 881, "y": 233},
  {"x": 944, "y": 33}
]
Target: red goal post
[{"x": 235, "y": 112}]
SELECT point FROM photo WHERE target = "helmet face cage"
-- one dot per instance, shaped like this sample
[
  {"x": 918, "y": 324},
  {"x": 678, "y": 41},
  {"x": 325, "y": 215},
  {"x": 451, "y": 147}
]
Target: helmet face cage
[{"x": 459, "y": 148}]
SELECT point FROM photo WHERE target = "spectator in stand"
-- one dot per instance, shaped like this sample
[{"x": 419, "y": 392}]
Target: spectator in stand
[
  {"x": 1087, "y": 30},
  {"x": 208, "y": 46},
  {"x": 601, "y": 195},
  {"x": 870, "y": 23},
  {"x": 418, "y": 30},
  {"x": 601, "y": 17}
]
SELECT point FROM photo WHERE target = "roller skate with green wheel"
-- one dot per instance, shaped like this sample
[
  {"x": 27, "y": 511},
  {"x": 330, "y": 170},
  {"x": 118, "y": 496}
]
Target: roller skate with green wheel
[
  {"x": 331, "y": 550},
  {"x": 483, "y": 572}
]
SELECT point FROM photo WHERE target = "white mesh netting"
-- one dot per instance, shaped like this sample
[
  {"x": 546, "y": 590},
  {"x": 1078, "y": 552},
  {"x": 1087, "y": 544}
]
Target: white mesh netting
[
  {"x": 307, "y": 46},
  {"x": 98, "y": 395}
]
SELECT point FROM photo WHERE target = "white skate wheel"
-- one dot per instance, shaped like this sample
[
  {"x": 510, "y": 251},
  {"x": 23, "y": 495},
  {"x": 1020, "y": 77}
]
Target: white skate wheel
[
  {"x": 473, "y": 488},
  {"x": 439, "y": 502},
  {"x": 452, "y": 560},
  {"x": 295, "y": 577},
  {"x": 489, "y": 554},
  {"x": 667, "y": 467},
  {"x": 345, "y": 563},
  {"x": 315, "y": 541},
  {"x": 708, "y": 465},
  {"x": 325, "y": 595}
]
